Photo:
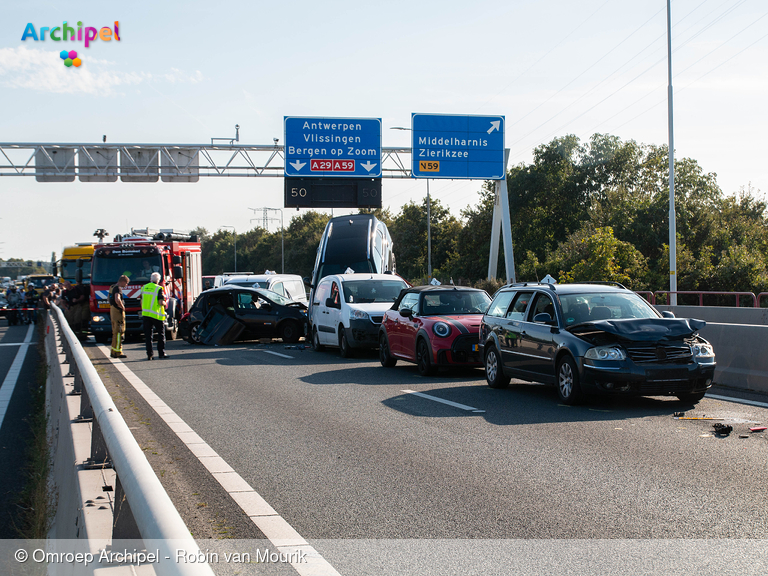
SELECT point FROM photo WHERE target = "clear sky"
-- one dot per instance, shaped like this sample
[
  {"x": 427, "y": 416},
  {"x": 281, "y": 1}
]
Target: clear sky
[{"x": 184, "y": 72}]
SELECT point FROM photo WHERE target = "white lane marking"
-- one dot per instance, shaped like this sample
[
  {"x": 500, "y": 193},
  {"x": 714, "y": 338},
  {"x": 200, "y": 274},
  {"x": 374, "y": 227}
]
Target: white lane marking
[
  {"x": 272, "y": 525},
  {"x": 274, "y": 353},
  {"x": 9, "y": 384},
  {"x": 15, "y": 344},
  {"x": 738, "y": 400},
  {"x": 448, "y": 402}
]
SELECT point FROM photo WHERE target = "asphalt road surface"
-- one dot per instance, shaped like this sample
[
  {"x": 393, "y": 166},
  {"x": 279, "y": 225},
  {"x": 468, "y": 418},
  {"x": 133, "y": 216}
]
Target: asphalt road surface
[
  {"x": 346, "y": 450},
  {"x": 18, "y": 361}
]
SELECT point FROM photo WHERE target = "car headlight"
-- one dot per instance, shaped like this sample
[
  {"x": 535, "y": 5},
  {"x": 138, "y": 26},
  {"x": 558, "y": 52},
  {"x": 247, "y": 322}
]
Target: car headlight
[
  {"x": 702, "y": 351},
  {"x": 360, "y": 315},
  {"x": 605, "y": 353},
  {"x": 99, "y": 318},
  {"x": 441, "y": 329}
]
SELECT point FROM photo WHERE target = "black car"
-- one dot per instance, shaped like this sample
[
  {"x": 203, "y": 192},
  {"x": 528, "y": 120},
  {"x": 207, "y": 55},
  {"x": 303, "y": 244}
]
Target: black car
[
  {"x": 265, "y": 314},
  {"x": 593, "y": 339}
]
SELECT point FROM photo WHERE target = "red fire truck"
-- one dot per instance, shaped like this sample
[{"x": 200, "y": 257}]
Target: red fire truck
[{"x": 175, "y": 255}]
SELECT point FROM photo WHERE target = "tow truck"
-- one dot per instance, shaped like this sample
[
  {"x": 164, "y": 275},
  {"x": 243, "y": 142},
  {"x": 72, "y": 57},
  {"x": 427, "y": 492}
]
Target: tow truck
[{"x": 174, "y": 254}]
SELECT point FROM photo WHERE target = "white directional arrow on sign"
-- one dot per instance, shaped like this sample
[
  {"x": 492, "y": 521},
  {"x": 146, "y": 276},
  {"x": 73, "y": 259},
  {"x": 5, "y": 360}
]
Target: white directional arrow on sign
[
  {"x": 369, "y": 165},
  {"x": 494, "y": 126},
  {"x": 298, "y": 165}
]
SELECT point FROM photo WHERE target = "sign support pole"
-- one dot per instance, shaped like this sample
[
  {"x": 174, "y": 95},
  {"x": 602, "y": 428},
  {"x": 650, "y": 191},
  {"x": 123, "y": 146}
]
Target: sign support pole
[
  {"x": 502, "y": 217},
  {"x": 429, "y": 235},
  {"x": 495, "y": 229}
]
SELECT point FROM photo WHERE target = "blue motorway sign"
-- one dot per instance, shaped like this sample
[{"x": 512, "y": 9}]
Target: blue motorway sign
[
  {"x": 457, "y": 147},
  {"x": 332, "y": 147}
]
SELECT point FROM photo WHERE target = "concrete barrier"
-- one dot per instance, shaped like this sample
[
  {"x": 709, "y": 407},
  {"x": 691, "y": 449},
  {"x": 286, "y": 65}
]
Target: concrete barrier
[
  {"x": 105, "y": 489},
  {"x": 740, "y": 339}
]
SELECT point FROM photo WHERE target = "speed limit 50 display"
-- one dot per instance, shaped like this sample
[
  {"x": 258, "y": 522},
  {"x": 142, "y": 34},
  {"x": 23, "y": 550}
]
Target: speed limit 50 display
[{"x": 332, "y": 193}]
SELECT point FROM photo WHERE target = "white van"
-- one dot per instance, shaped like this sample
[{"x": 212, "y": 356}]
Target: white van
[
  {"x": 289, "y": 285},
  {"x": 347, "y": 309}
]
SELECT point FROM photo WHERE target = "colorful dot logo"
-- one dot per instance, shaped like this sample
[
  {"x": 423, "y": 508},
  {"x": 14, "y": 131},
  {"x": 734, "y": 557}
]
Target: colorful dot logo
[{"x": 70, "y": 58}]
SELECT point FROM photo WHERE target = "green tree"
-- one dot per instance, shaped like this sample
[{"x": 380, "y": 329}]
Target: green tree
[
  {"x": 596, "y": 255},
  {"x": 409, "y": 238}
]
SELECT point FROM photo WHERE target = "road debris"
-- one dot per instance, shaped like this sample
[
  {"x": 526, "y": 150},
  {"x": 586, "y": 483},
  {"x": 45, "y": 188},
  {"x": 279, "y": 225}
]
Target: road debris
[
  {"x": 757, "y": 429},
  {"x": 743, "y": 435},
  {"x": 722, "y": 429},
  {"x": 679, "y": 414}
]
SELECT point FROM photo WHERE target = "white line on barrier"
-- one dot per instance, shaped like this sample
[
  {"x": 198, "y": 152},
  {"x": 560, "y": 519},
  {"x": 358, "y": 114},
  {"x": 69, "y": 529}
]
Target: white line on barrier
[
  {"x": 738, "y": 400},
  {"x": 274, "y": 353},
  {"x": 448, "y": 402},
  {"x": 272, "y": 525},
  {"x": 9, "y": 384}
]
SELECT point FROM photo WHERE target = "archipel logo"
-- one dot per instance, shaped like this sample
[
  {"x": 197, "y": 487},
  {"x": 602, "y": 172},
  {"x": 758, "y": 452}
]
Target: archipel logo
[{"x": 67, "y": 33}]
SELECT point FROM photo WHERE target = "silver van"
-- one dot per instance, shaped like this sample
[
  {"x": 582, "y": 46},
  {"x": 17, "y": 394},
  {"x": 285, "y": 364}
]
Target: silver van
[{"x": 289, "y": 285}]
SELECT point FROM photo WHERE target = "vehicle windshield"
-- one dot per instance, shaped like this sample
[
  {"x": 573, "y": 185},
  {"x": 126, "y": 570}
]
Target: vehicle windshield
[
  {"x": 41, "y": 282},
  {"x": 368, "y": 291},
  {"x": 249, "y": 284},
  {"x": 275, "y": 297},
  {"x": 452, "y": 302},
  {"x": 329, "y": 268},
  {"x": 68, "y": 268},
  {"x": 108, "y": 269},
  {"x": 589, "y": 307}
]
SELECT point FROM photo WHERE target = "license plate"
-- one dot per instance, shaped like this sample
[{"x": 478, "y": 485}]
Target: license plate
[
  {"x": 475, "y": 347},
  {"x": 103, "y": 304}
]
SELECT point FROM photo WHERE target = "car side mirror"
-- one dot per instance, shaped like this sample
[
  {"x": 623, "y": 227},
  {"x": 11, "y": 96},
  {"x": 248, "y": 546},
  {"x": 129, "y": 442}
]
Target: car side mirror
[
  {"x": 266, "y": 307},
  {"x": 307, "y": 281},
  {"x": 667, "y": 314},
  {"x": 331, "y": 303},
  {"x": 79, "y": 276},
  {"x": 178, "y": 273},
  {"x": 406, "y": 312},
  {"x": 543, "y": 318}
]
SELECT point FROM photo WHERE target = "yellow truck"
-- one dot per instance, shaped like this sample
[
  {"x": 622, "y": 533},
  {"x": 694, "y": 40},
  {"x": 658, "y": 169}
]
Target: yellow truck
[
  {"x": 68, "y": 265},
  {"x": 38, "y": 282}
]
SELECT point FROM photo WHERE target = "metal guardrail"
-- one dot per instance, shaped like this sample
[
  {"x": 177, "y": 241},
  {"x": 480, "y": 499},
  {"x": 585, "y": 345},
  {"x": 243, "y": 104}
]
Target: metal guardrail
[
  {"x": 142, "y": 506},
  {"x": 701, "y": 294}
]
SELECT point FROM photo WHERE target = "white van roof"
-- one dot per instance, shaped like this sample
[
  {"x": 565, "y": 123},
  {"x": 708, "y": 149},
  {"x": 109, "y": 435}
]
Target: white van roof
[
  {"x": 362, "y": 276},
  {"x": 261, "y": 278}
]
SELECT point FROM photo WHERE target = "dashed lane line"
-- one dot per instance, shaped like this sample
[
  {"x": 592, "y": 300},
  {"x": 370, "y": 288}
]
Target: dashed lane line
[
  {"x": 9, "y": 383},
  {"x": 448, "y": 402},
  {"x": 277, "y": 530},
  {"x": 274, "y": 353}
]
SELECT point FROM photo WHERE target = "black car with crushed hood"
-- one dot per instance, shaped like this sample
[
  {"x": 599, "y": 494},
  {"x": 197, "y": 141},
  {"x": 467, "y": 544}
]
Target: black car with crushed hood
[{"x": 593, "y": 338}]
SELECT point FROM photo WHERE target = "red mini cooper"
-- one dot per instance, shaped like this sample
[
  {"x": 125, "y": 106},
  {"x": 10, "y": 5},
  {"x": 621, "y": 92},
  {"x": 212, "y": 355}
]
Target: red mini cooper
[{"x": 433, "y": 326}]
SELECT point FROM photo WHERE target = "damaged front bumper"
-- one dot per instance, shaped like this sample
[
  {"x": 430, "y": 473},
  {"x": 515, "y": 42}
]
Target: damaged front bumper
[
  {"x": 365, "y": 333},
  {"x": 626, "y": 377}
]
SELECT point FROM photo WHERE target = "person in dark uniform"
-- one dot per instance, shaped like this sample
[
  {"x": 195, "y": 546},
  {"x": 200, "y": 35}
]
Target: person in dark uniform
[{"x": 117, "y": 316}]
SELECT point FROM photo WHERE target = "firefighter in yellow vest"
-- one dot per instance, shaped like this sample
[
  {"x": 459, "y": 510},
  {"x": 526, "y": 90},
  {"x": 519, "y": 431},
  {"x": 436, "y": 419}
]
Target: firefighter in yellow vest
[{"x": 153, "y": 303}]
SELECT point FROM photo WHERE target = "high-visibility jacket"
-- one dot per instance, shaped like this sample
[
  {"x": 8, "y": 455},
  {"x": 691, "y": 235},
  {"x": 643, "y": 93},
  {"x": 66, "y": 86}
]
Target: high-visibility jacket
[{"x": 150, "y": 303}]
